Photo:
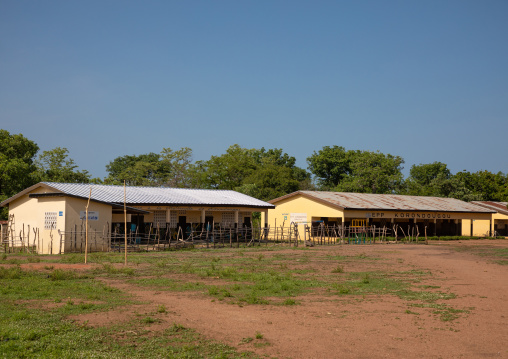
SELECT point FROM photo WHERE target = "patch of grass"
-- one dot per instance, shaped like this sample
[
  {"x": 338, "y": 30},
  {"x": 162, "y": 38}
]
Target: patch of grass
[
  {"x": 175, "y": 328},
  {"x": 410, "y": 312},
  {"x": 341, "y": 288},
  {"x": 338, "y": 269},
  {"x": 13, "y": 261},
  {"x": 60, "y": 274},
  {"x": 114, "y": 271},
  {"x": 168, "y": 284},
  {"x": 495, "y": 254},
  {"x": 246, "y": 340},
  {"x": 149, "y": 320},
  {"x": 26, "y": 331},
  {"x": 33, "y": 259},
  {"x": 445, "y": 312},
  {"x": 289, "y": 301},
  {"x": 11, "y": 273}
]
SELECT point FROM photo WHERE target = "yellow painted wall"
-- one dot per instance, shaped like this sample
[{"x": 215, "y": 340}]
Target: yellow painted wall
[
  {"x": 31, "y": 212},
  {"x": 96, "y": 228},
  {"x": 298, "y": 204},
  {"x": 316, "y": 210},
  {"x": 119, "y": 218},
  {"x": 25, "y": 212},
  {"x": 481, "y": 227}
]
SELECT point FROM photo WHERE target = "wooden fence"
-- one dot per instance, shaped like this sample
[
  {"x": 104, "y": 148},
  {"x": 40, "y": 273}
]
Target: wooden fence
[{"x": 199, "y": 236}]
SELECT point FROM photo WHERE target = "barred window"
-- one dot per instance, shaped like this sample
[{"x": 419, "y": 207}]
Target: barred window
[
  {"x": 159, "y": 219},
  {"x": 228, "y": 218},
  {"x": 173, "y": 219},
  {"x": 50, "y": 220}
]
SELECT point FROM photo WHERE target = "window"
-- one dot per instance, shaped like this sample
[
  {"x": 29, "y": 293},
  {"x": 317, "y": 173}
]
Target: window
[
  {"x": 159, "y": 219},
  {"x": 228, "y": 219},
  {"x": 50, "y": 220},
  {"x": 173, "y": 219}
]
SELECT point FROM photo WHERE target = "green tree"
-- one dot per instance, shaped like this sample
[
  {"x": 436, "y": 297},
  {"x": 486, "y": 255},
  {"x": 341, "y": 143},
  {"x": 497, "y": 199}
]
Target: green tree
[
  {"x": 142, "y": 170},
  {"x": 480, "y": 186},
  {"x": 16, "y": 165},
  {"x": 276, "y": 157},
  {"x": 356, "y": 171},
  {"x": 264, "y": 174},
  {"x": 177, "y": 165},
  {"x": 373, "y": 172},
  {"x": 431, "y": 179},
  {"x": 269, "y": 181},
  {"x": 226, "y": 171},
  {"x": 56, "y": 166},
  {"x": 330, "y": 166}
]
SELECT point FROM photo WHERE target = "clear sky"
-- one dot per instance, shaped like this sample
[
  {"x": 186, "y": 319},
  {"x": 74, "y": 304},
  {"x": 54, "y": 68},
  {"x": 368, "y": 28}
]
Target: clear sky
[{"x": 424, "y": 80}]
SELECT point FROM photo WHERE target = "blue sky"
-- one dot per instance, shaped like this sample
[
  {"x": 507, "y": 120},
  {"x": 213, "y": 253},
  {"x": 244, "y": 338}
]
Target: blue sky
[{"x": 424, "y": 80}]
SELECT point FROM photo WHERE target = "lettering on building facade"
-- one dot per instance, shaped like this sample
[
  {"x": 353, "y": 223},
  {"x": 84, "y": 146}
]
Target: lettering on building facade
[{"x": 410, "y": 215}]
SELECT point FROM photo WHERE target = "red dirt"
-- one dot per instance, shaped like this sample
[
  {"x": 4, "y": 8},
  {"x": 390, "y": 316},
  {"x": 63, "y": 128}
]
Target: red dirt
[{"x": 355, "y": 327}]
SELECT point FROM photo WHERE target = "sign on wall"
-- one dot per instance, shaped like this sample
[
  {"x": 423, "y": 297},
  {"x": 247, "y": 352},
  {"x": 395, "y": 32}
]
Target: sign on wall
[
  {"x": 92, "y": 215},
  {"x": 298, "y": 218}
]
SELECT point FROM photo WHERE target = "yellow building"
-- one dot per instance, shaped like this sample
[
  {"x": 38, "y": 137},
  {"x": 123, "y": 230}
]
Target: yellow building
[
  {"x": 499, "y": 224},
  {"x": 433, "y": 215},
  {"x": 48, "y": 216}
]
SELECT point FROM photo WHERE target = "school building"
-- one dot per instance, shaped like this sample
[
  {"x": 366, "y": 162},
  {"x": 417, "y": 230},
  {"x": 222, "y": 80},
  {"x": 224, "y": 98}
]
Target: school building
[
  {"x": 432, "y": 215},
  {"x": 53, "y": 207}
]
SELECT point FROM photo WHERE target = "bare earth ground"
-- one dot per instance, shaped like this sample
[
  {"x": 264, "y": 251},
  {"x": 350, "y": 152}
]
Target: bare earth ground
[{"x": 352, "y": 326}]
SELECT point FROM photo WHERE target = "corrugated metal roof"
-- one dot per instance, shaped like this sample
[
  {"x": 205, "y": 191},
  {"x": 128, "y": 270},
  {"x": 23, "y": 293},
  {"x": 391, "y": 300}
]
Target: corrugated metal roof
[
  {"x": 369, "y": 201},
  {"x": 159, "y": 195},
  {"x": 499, "y": 207}
]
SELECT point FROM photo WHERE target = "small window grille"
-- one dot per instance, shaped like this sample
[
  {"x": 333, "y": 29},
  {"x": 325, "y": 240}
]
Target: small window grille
[
  {"x": 159, "y": 219},
  {"x": 50, "y": 220},
  {"x": 182, "y": 212},
  {"x": 173, "y": 219},
  {"x": 228, "y": 218}
]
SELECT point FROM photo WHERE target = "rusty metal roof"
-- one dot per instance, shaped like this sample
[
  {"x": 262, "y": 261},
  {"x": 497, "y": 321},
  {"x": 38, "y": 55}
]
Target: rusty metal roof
[
  {"x": 499, "y": 207},
  {"x": 388, "y": 202}
]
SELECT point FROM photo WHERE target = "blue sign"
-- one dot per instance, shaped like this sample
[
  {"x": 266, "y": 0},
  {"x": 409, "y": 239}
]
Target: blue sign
[{"x": 60, "y": 213}]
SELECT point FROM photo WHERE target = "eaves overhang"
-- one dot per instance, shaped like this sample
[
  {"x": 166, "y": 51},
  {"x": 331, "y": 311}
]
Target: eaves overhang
[
  {"x": 215, "y": 205},
  {"x": 116, "y": 206}
]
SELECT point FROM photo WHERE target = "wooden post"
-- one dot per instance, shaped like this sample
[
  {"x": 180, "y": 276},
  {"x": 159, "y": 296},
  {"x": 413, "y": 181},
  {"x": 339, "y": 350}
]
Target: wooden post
[
  {"x": 86, "y": 225},
  {"x": 125, "y": 218},
  {"x": 38, "y": 239},
  {"x": 22, "y": 238}
]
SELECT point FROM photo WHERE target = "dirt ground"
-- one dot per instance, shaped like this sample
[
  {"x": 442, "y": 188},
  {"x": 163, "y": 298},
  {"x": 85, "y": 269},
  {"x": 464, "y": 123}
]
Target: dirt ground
[{"x": 352, "y": 327}]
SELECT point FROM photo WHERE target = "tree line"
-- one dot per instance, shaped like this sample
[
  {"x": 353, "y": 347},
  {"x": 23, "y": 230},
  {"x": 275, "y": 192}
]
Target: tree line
[{"x": 261, "y": 173}]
